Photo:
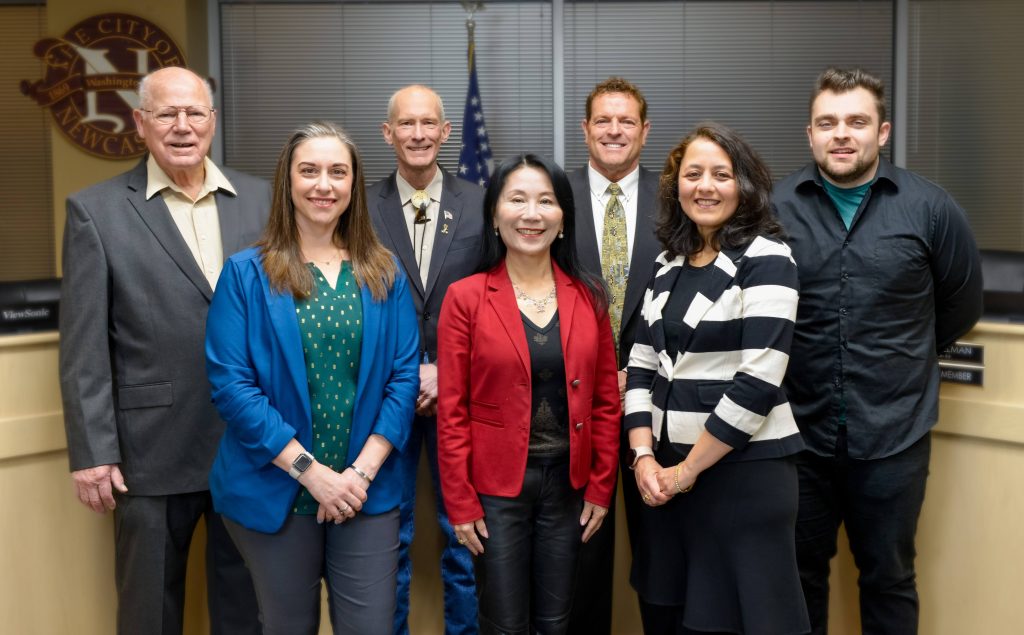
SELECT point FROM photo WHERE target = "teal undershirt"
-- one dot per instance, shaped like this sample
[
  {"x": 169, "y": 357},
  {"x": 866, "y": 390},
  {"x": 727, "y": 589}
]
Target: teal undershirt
[{"x": 847, "y": 201}]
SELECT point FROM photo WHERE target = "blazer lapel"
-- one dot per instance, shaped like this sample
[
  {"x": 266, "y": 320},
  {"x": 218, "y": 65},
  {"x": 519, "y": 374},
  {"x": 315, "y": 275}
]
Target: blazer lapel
[
  {"x": 390, "y": 206},
  {"x": 586, "y": 240},
  {"x": 444, "y": 229},
  {"x": 157, "y": 217},
  {"x": 229, "y": 213},
  {"x": 567, "y": 292},
  {"x": 369, "y": 350},
  {"x": 664, "y": 283},
  {"x": 503, "y": 300},
  {"x": 281, "y": 307},
  {"x": 645, "y": 245}
]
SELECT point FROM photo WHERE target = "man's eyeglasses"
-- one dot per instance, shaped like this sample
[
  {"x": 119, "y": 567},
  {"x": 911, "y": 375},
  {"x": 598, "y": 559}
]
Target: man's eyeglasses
[{"x": 169, "y": 114}]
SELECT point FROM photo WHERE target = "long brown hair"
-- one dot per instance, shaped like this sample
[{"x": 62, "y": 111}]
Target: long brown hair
[{"x": 372, "y": 264}]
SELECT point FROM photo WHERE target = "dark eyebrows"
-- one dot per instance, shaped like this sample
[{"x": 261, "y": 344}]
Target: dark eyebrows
[{"x": 834, "y": 117}]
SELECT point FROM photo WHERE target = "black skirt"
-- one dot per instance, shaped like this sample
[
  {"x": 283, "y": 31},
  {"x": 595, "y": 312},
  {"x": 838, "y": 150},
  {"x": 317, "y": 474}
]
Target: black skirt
[{"x": 724, "y": 552}]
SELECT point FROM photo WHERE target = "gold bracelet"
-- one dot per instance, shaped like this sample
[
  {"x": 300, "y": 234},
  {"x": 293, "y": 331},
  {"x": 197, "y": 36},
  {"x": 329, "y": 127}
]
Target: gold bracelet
[{"x": 679, "y": 466}]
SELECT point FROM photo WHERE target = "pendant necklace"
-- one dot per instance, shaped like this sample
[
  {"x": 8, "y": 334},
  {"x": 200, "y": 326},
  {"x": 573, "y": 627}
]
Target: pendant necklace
[
  {"x": 539, "y": 305},
  {"x": 326, "y": 263}
]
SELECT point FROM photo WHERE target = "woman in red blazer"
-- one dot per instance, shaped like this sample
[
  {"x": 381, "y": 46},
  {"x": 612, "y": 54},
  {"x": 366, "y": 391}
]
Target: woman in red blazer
[{"x": 528, "y": 403}]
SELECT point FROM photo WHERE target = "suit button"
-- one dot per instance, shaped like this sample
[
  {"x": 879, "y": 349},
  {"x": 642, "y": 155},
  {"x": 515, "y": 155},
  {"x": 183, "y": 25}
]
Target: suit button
[
  {"x": 575, "y": 383},
  {"x": 426, "y": 317},
  {"x": 579, "y": 425}
]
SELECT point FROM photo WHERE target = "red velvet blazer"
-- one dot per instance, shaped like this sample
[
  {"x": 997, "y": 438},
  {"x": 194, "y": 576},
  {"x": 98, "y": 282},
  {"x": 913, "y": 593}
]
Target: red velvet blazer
[{"x": 484, "y": 392}]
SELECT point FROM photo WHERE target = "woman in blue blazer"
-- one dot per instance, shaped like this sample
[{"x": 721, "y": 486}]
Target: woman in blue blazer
[{"x": 312, "y": 355}]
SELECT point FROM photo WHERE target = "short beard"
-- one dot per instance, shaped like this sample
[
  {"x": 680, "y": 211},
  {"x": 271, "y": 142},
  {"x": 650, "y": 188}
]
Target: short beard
[{"x": 857, "y": 171}]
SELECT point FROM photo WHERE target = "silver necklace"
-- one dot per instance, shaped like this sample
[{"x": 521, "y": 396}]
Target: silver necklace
[{"x": 539, "y": 305}]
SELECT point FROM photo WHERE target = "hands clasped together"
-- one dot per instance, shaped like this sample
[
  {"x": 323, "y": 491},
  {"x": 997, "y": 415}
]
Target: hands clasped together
[
  {"x": 341, "y": 494},
  {"x": 659, "y": 484}
]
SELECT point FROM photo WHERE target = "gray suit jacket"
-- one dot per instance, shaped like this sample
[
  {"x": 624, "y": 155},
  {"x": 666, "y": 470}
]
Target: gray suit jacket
[
  {"x": 457, "y": 243},
  {"x": 645, "y": 247},
  {"x": 132, "y": 325}
]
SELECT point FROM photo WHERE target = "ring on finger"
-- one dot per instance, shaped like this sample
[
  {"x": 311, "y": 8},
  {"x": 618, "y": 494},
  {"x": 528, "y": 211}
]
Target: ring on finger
[
  {"x": 647, "y": 498},
  {"x": 344, "y": 510},
  {"x": 462, "y": 541}
]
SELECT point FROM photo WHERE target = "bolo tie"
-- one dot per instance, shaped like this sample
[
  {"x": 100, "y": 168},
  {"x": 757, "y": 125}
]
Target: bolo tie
[{"x": 420, "y": 202}]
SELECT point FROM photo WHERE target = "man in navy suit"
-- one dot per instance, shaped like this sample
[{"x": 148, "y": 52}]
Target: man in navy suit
[
  {"x": 432, "y": 221},
  {"x": 615, "y": 129}
]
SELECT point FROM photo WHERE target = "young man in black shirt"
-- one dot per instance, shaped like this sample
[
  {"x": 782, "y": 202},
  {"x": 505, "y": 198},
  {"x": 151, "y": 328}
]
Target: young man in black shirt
[{"x": 889, "y": 275}]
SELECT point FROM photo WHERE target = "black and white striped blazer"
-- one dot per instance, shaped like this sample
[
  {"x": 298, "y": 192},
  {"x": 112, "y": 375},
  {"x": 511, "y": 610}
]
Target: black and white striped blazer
[{"x": 733, "y": 352}]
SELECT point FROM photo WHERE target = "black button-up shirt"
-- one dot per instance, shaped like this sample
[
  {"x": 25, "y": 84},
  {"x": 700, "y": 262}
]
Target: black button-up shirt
[{"x": 876, "y": 302}]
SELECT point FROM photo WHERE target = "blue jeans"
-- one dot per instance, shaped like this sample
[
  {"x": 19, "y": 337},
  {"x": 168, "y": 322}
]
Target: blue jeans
[
  {"x": 460, "y": 603},
  {"x": 879, "y": 501}
]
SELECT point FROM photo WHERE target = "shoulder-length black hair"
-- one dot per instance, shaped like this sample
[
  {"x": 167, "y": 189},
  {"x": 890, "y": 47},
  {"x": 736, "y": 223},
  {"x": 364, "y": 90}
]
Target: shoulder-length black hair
[
  {"x": 679, "y": 235},
  {"x": 563, "y": 250}
]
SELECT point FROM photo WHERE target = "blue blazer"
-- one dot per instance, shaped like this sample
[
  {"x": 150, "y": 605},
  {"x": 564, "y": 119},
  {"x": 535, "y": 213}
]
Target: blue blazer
[{"x": 258, "y": 373}]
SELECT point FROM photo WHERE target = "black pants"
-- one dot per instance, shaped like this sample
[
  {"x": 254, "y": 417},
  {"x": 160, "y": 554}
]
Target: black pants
[
  {"x": 879, "y": 501},
  {"x": 592, "y": 612},
  {"x": 525, "y": 575},
  {"x": 152, "y": 536}
]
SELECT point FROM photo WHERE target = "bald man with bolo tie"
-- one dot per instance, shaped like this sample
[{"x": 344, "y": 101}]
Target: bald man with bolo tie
[{"x": 432, "y": 221}]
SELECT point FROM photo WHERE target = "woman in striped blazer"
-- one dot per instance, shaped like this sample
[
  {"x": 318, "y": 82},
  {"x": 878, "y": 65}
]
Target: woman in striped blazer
[{"x": 712, "y": 434}]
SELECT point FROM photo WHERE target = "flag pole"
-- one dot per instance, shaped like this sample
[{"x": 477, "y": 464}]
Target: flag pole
[
  {"x": 475, "y": 157},
  {"x": 471, "y": 8}
]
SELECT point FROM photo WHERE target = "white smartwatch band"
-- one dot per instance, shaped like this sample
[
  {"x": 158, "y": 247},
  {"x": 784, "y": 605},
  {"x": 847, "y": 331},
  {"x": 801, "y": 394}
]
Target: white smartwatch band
[
  {"x": 301, "y": 463},
  {"x": 640, "y": 452}
]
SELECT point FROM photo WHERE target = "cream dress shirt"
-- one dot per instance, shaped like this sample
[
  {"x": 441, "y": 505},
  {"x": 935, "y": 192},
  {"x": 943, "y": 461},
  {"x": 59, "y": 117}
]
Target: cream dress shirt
[
  {"x": 421, "y": 236},
  {"x": 197, "y": 220}
]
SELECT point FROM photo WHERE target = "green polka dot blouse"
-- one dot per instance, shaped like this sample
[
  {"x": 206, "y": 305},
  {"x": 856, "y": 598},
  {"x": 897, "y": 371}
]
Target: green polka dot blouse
[{"x": 330, "y": 322}]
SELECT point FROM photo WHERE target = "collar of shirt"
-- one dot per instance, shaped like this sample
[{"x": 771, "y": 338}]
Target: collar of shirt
[
  {"x": 405, "y": 191},
  {"x": 885, "y": 175},
  {"x": 630, "y": 184},
  {"x": 157, "y": 180}
]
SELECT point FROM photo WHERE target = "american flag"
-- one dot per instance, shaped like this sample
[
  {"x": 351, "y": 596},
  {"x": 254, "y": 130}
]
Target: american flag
[{"x": 475, "y": 159}]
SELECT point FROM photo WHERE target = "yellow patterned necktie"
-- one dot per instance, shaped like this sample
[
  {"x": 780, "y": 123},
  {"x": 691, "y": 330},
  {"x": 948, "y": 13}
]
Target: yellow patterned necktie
[{"x": 615, "y": 257}]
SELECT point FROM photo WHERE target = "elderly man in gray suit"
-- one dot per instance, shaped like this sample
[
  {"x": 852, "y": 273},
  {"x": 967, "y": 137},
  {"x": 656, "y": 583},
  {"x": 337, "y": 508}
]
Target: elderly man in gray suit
[
  {"x": 433, "y": 222},
  {"x": 142, "y": 253},
  {"x": 616, "y": 203}
]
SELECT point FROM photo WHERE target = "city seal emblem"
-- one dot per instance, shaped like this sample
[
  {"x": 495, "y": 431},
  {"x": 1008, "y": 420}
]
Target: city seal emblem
[{"x": 92, "y": 73}]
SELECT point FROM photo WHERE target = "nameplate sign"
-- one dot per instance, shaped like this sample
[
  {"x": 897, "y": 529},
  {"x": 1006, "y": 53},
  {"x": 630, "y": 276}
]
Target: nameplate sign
[
  {"x": 964, "y": 352},
  {"x": 962, "y": 374}
]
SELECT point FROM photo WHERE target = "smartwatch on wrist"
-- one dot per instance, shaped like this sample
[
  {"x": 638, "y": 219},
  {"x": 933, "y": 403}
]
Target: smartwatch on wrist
[
  {"x": 639, "y": 453},
  {"x": 300, "y": 465}
]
